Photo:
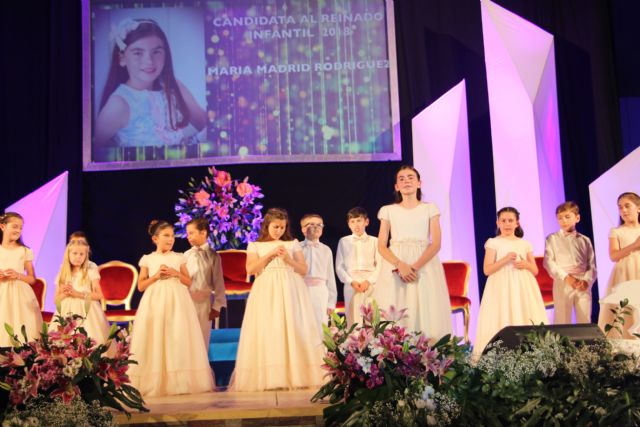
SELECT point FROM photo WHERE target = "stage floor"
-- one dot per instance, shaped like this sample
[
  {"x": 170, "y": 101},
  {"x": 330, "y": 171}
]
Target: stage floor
[{"x": 223, "y": 408}]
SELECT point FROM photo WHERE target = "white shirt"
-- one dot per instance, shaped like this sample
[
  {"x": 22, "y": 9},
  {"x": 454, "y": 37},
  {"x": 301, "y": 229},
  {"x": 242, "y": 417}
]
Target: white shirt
[
  {"x": 205, "y": 269},
  {"x": 319, "y": 259},
  {"x": 569, "y": 254},
  {"x": 357, "y": 253}
]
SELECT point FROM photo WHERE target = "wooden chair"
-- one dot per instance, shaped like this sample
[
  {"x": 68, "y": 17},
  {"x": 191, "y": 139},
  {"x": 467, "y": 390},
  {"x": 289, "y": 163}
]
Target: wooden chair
[
  {"x": 457, "y": 274},
  {"x": 118, "y": 281},
  {"x": 234, "y": 270},
  {"x": 545, "y": 282},
  {"x": 40, "y": 289}
]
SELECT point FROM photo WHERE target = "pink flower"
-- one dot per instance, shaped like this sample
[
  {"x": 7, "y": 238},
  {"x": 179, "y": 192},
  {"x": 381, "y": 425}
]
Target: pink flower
[
  {"x": 222, "y": 178},
  {"x": 366, "y": 311},
  {"x": 394, "y": 315},
  {"x": 202, "y": 198},
  {"x": 67, "y": 392},
  {"x": 244, "y": 189}
]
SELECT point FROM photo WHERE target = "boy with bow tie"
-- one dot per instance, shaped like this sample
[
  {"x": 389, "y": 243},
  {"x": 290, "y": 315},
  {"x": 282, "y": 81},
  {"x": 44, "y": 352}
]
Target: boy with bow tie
[
  {"x": 357, "y": 264},
  {"x": 205, "y": 269},
  {"x": 320, "y": 278},
  {"x": 569, "y": 259}
]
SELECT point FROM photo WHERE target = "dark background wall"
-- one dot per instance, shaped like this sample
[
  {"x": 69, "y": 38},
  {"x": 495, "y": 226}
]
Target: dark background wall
[{"x": 439, "y": 43}]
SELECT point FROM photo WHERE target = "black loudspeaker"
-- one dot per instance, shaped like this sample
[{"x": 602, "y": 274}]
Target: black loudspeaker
[{"x": 512, "y": 336}]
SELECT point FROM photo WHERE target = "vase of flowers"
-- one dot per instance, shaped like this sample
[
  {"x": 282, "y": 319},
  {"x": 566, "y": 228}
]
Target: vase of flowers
[
  {"x": 381, "y": 374},
  {"x": 65, "y": 364},
  {"x": 230, "y": 205}
]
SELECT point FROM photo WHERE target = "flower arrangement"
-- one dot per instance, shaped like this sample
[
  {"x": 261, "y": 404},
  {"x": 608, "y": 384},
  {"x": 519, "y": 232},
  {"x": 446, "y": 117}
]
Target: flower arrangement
[
  {"x": 64, "y": 363},
  {"x": 549, "y": 380},
  {"x": 228, "y": 204},
  {"x": 381, "y": 375},
  {"x": 380, "y": 371}
]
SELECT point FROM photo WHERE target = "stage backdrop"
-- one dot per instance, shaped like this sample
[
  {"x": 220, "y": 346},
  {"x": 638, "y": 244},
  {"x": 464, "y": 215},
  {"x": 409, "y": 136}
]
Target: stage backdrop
[{"x": 239, "y": 81}]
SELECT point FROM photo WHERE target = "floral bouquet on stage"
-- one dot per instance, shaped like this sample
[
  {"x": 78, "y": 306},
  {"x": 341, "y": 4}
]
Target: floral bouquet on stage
[
  {"x": 228, "y": 204},
  {"x": 381, "y": 374},
  {"x": 64, "y": 366}
]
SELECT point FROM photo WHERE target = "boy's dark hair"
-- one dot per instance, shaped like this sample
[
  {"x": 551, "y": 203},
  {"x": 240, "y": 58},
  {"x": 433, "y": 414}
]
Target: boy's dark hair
[
  {"x": 201, "y": 224},
  {"x": 357, "y": 212},
  {"x": 568, "y": 206}
]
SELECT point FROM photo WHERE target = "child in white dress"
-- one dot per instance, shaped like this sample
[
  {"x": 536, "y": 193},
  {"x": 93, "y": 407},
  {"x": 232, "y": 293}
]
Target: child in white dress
[
  {"x": 357, "y": 264},
  {"x": 412, "y": 275},
  {"x": 167, "y": 340},
  {"x": 279, "y": 344},
  {"x": 76, "y": 284},
  {"x": 143, "y": 104},
  {"x": 624, "y": 250},
  {"x": 511, "y": 295},
  {"x": 18, "y": 303}
]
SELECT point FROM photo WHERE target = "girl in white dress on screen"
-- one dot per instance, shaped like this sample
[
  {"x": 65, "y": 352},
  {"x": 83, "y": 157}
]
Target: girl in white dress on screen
[
  {"x": 511, "y": 295},
  {"x": 143, "y": 104},
  {"x": 412, "y": 275},
  {"x": 279, "y": 344},
  {"x": 624, "y": 250},
  {"x": 18, "y": 303},
  {"x": 77, "y": 283},
  {"x": 167, "y": 340}
]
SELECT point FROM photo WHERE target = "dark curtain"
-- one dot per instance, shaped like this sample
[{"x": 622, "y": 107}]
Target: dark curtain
[{"x": 439, "y": 43}]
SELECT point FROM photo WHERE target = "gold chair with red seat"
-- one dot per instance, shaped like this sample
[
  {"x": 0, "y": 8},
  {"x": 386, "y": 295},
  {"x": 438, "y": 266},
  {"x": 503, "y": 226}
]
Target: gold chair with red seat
[
  {"x": 40, "y": 289},
  {"x": 234, "y": 271},
  {"x": 457, "y": 275},
  {"x": 545, "y": 283},
  {"x": 118, "y": 281}
]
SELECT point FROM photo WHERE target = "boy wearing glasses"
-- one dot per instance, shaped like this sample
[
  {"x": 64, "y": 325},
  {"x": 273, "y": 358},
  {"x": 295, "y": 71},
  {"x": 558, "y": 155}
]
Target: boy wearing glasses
[{"x": 320, "y": 278}]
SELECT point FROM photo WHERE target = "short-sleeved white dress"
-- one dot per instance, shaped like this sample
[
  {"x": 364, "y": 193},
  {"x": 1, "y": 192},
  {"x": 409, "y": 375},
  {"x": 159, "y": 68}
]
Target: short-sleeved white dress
[
  {"x": 279, "y": 344},
  {"x": 628, "y": 268},
  {"x": 427, "y": 299},
  {"x": 95, "y": 322},
  {"x": 167, "y": 340},
  {"x": 511, "y": 296},
  {"x": 18, "y": 303}
]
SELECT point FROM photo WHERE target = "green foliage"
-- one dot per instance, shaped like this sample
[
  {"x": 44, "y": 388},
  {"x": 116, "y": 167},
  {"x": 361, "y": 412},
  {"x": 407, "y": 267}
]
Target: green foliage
[{"x": 548, "y": 380}]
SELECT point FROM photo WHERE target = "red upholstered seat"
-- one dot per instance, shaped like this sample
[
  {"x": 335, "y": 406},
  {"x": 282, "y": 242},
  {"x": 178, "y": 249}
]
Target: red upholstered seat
[
  {"x": 234, "y": 271},
  {"x": 40, "y": 289},
  {"x": 545, "y": 282},
  {"x": 118, "y": 281},
  {"x": 457, "y": 275}
]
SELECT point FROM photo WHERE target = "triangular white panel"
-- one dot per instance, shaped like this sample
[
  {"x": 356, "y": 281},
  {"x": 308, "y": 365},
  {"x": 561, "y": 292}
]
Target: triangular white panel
[
  {"x": 525, "y": 135},
  {"x": 45, "y": 229},
  {"x": 603, "y": 194}
]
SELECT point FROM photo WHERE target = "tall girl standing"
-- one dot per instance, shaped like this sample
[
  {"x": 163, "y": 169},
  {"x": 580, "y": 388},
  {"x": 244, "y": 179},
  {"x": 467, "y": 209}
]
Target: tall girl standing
[
  {"x": 167, "y": 341},
  {"x": 624, "y": 250},
  {"x": 412, "y": 275},
  {"x": 279, "y": 344},
  {"x": 511, "y": 295},
  {"x": 78, "y": 282},
  {"x": 18, "y": 303}
]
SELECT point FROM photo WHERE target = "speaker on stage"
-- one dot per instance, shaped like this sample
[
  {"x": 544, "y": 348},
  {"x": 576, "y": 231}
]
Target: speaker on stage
[{"x": 512, "y": 336}]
